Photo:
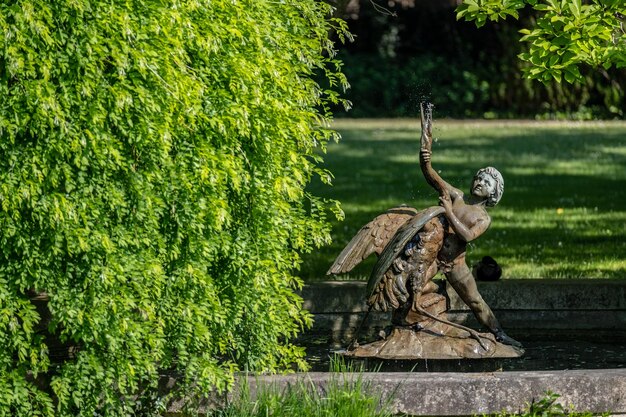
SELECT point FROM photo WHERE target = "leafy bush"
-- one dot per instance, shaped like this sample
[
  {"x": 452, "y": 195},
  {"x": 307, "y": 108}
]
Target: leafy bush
[
  {"x": 153, "y": 159},
  {"x": 392, "y": 88}
]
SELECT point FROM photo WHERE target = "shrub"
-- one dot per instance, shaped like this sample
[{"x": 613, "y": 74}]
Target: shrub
[
  {"x": 382, "y": 87},
  {"x": 153, "y": 159},
  {"x": 385, "y": 87}
]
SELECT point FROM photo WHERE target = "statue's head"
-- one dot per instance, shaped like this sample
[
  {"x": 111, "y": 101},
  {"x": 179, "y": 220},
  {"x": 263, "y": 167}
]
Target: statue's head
[{"x": 488, "y": 184}]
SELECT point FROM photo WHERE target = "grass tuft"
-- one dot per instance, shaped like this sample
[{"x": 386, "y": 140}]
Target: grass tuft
[
  {"x": 548, "y": 406},
  {"x": 342, "y": 397}
]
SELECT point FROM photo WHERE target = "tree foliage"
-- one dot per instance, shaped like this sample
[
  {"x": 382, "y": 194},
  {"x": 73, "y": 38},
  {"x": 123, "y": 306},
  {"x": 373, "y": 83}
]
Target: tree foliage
[
  {"x": 566, "y": 35},
  {"x": 423, "y": 52},
  {"x": 153, "y": 163}
]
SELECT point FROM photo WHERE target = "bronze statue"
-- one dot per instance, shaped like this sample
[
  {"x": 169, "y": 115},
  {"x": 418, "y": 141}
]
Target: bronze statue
[{"x": 413, "y": 247}]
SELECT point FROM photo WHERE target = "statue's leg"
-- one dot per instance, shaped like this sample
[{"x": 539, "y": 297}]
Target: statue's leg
[{"x": 461, "y": 279}]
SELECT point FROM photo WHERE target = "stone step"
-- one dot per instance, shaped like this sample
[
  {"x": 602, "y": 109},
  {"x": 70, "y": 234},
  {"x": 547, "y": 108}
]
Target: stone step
[{"x": 564, "y": 307}]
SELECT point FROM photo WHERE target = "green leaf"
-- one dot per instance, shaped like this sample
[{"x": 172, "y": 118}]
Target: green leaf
[{"x": 575, "y": 6}]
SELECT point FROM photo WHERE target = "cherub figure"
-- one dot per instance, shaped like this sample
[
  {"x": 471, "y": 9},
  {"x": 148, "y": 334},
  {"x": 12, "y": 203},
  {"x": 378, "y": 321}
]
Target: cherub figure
[{"x": 414, "y": 246}]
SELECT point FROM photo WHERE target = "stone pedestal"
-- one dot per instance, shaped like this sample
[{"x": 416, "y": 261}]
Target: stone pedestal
[
  {"x": 416, "y": 336},
  {"x": 404, "y": 343}
]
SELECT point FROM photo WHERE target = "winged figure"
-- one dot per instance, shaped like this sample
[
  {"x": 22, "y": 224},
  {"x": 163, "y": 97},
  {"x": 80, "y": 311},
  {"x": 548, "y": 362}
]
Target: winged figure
[{"x": 414, "y": 245}]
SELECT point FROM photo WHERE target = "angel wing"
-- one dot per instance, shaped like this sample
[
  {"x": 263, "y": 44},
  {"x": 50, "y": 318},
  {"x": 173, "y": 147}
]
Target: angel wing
[
  {"x": 387, "y": 286},
  {"x": 373, "y": 237},
  {"x": 403, "y": 235},
  {"x": 388, "y": 236}
]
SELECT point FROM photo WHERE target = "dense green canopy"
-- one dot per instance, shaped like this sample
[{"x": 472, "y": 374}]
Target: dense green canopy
[{"x": 153, "y": 159}]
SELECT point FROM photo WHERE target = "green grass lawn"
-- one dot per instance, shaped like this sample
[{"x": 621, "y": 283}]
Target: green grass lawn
[{"x": 563, "y": 213}]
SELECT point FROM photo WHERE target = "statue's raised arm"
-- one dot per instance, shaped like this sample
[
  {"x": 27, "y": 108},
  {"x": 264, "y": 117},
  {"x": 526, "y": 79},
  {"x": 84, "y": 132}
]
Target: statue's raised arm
[{"x": 426, "y": 142}]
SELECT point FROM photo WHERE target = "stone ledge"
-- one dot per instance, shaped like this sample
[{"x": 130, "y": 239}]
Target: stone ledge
[
  {"x": 528, "y": 306},
  {"x": 507, "y": 294},
  {"x": 466, "y": 394},
  {"x": 550, "y": 294},
  {"x": 461, "y": 394}
]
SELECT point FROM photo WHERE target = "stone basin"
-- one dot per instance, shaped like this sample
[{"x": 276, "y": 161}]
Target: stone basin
[{"x": 573, "y": 332}]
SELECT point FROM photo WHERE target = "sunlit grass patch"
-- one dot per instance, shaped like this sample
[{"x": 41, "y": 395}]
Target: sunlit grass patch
[{"x": 563, "y": 213}]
